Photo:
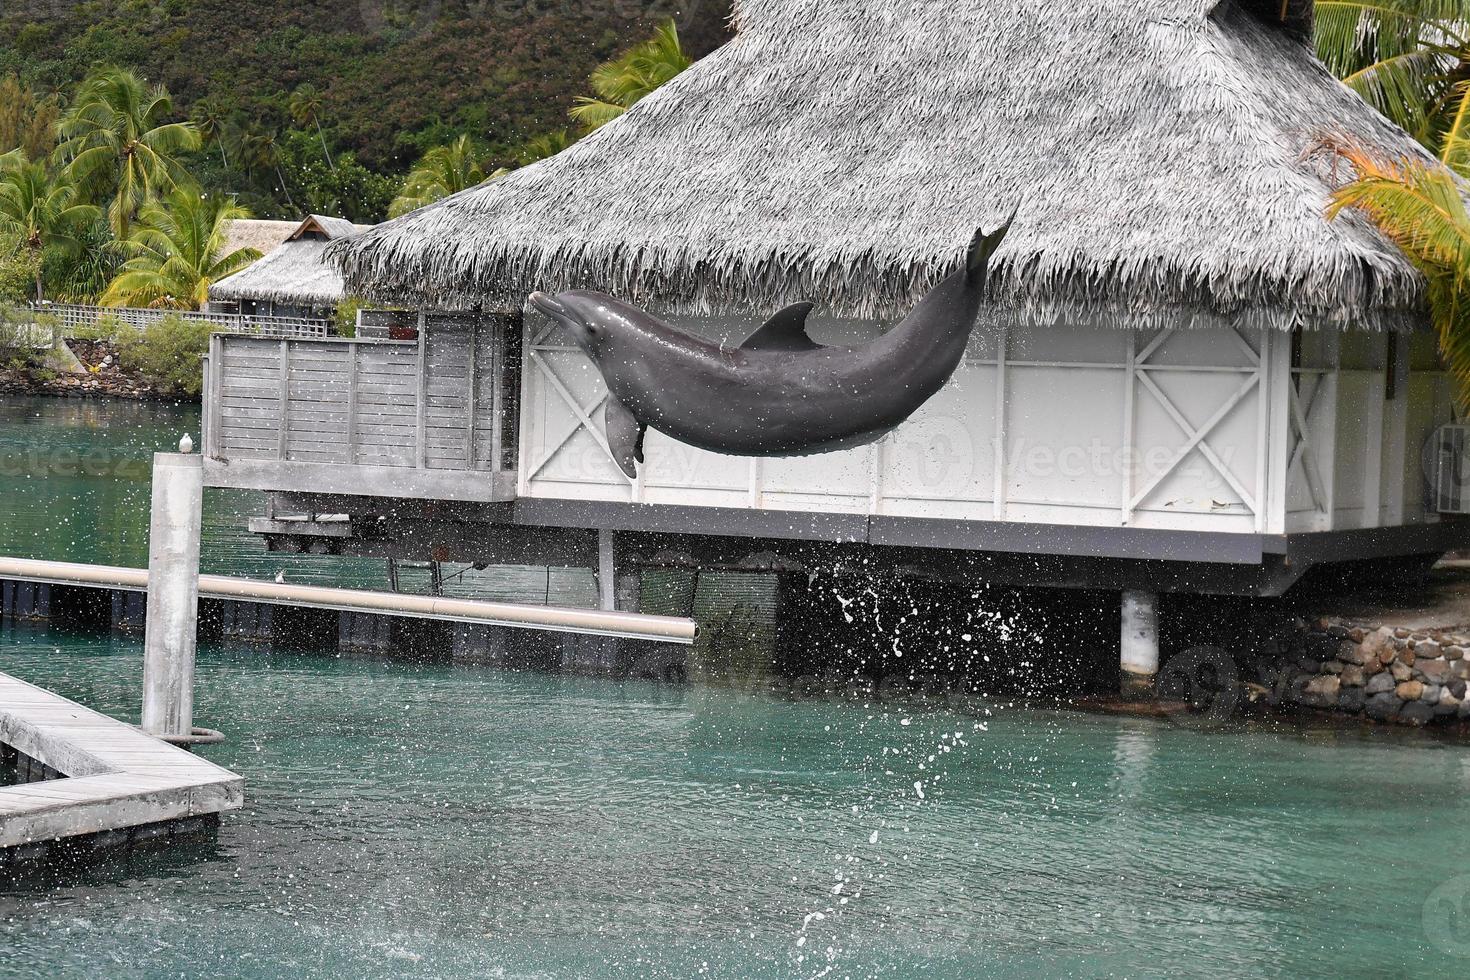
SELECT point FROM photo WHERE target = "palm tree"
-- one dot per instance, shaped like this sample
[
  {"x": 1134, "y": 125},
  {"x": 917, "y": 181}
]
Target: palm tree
[
  {"x": 621, "y": 82},
  {"x": 1419, "y": 206},
  {"x": 543, "y": 146},
  {"x": 116, "y": 135},
  {"x": 27, "y": 120},
  {"x": 39, "y": 208},
  {"x": 212, "y": 121},
  {"x": 306, "y": 107},
  {"x": 1410, "y": 59},
  {"x": 173, "y": 255},
  {"x": 442, "y": 171},
  {"x": 262, "y": 148}
]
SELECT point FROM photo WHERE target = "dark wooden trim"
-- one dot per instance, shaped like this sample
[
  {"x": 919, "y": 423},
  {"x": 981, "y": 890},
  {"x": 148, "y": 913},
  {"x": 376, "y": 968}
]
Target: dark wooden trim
[
  {"x": 672, "y": 519},
  {"x": 1012, "y": 537}
]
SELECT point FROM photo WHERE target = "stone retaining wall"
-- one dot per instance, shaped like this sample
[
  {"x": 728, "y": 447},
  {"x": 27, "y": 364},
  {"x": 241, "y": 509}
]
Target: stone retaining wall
[{"x": 1386, "y": 674}]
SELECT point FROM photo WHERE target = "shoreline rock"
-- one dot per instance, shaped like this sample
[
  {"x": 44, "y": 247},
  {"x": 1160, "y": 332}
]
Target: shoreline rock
[
  {"x": 102, "y": 376},
  {"x": 1383, "y": 674}
]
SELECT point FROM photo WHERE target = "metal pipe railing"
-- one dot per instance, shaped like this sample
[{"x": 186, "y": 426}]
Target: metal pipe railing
[{"x": 634, "y": 626}]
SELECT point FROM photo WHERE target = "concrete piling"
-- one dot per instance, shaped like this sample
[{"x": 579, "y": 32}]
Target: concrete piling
[
  {"x": 1139, "y": 649},
  {"x": 173, "y": 594},
  {"x": 25, "y": 600}
]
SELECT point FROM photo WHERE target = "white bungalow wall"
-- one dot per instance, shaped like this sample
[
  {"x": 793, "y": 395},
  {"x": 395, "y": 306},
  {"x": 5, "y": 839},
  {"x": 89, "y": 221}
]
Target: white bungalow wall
[{"x": 1184, "y": 429}]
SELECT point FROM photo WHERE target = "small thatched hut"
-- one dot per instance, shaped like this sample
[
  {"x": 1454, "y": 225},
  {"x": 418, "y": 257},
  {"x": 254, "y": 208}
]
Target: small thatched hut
[
  {"x": 290, "y": 279},
  {"x": 1182, "y": 361}
]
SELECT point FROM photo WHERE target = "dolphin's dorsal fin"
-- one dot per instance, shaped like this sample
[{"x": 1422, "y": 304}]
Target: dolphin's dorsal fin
[{"x": 784, "y": 331}]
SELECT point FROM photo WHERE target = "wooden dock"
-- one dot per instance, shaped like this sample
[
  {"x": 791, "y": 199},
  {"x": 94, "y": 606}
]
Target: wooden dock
[{"x": 116, "y": 778}]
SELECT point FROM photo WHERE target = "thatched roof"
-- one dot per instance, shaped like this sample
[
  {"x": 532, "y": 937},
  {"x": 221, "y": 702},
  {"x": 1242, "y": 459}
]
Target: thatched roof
[
  {"x": 263, "y": 236},
  {"x": 844, "y": 151},
  {"x": 293, "y": 272}
]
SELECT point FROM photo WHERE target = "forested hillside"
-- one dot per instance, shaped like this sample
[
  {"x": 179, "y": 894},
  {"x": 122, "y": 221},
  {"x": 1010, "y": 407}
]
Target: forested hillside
[{"x": 388, "y": 79}]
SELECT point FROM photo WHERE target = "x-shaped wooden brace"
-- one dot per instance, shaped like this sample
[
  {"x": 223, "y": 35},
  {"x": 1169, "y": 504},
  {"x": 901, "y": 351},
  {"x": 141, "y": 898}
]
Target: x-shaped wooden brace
[
  {"x": 1302, "y": 451},
  {"x": 1194, "y": 438},
  {"x": 582, "y": 412}
]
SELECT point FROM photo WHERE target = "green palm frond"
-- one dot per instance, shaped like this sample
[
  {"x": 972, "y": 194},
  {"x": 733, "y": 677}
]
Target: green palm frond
[
  {"x": 173, "y": 255},
  {"x": 620, "y": 83},
  {"x": 1399, "y": 55},
  {"x": 594, "y": 113},
  {"x": 116, "y": 139},
  {"x": 543, "y": 146},
  {"x": 1454, "y": 151},
  {"x": 1421, "y": 209},
  {"x": 440, "y": 172}
]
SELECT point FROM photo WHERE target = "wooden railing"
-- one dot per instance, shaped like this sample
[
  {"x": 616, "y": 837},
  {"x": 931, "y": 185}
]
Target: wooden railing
[
  {"x": 73, "y": 316},
  {"x": 431, "y": 404}
]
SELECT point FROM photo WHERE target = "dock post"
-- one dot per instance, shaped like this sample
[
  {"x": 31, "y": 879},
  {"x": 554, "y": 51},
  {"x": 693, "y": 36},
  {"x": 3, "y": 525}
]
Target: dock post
[
  {"x": 1139, "y": 650},
  {"x": 607, "y": 595},
  {"x": 173, "y": 593}
]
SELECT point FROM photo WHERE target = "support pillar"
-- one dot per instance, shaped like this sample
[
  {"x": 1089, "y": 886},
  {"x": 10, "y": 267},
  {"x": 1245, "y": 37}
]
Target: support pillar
[
  {"x": 1139, "y": 650},
  {"x": 173, "y": 594},
  {"x": 607, "y": 590}
]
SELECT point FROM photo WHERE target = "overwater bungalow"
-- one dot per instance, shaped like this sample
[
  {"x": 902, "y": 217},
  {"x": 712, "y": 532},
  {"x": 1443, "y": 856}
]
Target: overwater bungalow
[
  {"x": 1186, "y": 375},
  {"x": 290, "y": 279}
]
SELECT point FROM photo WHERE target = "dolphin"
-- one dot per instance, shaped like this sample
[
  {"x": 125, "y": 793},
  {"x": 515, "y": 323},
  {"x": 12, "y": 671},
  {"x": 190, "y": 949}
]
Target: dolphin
[{"x": 778, "y": 393}]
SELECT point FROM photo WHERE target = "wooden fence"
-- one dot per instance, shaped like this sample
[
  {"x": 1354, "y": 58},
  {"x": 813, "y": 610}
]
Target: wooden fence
[
  {"x": 436, "y": 403},
  {"x": 74, "y": 316}
]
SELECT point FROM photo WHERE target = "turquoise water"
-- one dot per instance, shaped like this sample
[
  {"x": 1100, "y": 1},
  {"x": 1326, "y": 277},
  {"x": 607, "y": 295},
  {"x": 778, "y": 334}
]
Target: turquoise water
[
  {"x": 74, "y": 481},
  {"x": 438, "y": 822},
  {"x": 434, "y": 821}
]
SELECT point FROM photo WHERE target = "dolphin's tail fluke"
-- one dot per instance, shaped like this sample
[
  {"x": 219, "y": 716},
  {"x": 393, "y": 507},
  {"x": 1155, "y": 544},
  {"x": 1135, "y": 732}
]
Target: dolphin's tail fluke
[{"x": 982, "y": 247}]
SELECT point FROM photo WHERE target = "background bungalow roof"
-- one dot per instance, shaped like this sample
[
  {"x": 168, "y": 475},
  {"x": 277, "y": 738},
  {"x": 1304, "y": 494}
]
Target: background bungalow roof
[
  {"x": 844, "y": 151},
  {"x": 295, "y": 271},
  {"x": 262, "y": 235}
]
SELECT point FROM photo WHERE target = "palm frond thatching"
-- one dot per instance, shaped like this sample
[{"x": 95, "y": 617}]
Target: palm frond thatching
[{"x": 845, "y": 152}]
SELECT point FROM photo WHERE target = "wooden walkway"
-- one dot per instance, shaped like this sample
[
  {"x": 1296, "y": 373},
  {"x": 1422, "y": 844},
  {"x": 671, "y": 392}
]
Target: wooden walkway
[{"x": 117, "y": 778}]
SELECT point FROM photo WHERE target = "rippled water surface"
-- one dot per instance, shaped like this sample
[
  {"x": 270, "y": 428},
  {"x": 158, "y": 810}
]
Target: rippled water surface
[
  {"x": 433, "y": 821},
  {"x": 74, "y": 486},
  {"x": 437, "y": 821}
]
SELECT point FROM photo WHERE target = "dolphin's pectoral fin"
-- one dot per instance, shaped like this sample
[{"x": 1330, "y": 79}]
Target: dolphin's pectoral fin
[
  {"x": 624, "y": 436},
  {"x": 784, "y": 331}
]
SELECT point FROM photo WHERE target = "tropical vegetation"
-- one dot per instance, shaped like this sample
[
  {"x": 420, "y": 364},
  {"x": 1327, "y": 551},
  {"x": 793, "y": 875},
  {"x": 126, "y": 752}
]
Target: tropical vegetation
[
  {"x": 40, "y": 210},
  {"x": 1410, "y": 59},
  {"x": 621, "y": 82},
  {"x": 442, "y": 171},
  {"x": 169, "y": 352},
  {"x": 119, "y": 141},
  {"x": 176, "y": 251},
  {"x": 618, "y": 84},
  {"x": 356, "y": 93}
]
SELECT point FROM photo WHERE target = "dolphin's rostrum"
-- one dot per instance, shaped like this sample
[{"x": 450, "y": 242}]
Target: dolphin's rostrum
[{"x": 778, "y": 393}]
